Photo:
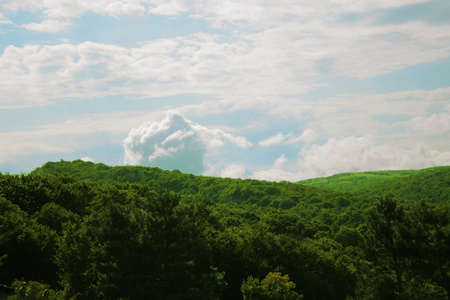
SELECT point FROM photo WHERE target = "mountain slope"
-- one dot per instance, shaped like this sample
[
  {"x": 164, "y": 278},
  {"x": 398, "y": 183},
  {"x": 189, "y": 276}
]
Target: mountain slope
[
  {"x": 431, "y": 184},
  {"x": 283, "y": 195},
  {"x": 347, "y": 182}
]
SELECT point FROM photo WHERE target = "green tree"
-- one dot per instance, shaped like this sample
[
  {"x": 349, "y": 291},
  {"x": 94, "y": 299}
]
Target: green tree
[
  {"x": 140, "y": 248},
  {"x": 432, "y": 261},
  {"x": 29, "y": 246},
  {"x": 75, "y": 259},
  {"x": 387, "y": 242},
  {"x": 273, "y": 287},
  {"x": 53, "y": 215}
]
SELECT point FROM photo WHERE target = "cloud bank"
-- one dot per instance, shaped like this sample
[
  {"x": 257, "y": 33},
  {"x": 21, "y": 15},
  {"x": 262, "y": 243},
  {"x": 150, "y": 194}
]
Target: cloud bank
[
  {"x": 352, "y": 154},
  {"x": 267, "y": 48},
  {"x": 178, "y": 143}
]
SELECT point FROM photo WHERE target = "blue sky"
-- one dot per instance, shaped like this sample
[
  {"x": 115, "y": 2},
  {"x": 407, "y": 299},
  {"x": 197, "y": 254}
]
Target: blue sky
[{"x": 273, "y": 90}]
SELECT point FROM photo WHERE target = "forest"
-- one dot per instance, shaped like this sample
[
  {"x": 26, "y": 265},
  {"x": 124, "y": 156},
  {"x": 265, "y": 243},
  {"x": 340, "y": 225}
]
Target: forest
[{"x": 80, "y": 230}]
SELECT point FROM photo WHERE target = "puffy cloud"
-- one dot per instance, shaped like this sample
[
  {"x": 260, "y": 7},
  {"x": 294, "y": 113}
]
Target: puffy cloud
[
  {"x": 352, "y": 154},
  {"x": 280, "y": 170},
  {"x": 295, "y": 39},
  {"x": 177, "y": 143},
  {"x": 36, "y": 75}
]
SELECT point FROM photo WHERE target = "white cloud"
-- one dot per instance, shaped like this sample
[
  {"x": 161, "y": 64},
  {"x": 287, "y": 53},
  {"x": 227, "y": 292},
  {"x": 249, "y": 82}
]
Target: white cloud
[
  {"x": 280, "y": 170},
  {"x": 234, "y": 170},
  {"x": 87, "y": 158},
  {"x": 357, "y": 114},
  {"x": 76, "y": 8},
  {"x": 274, "y": 140},
  {"x": 70, "y": 135},
  {"x": 177, "y": 143},
  {"x": 308, "y": 136},
  {"x": 19, "y": 144},
  {"x": 352, "y": 154},
  {"x": 364, "y": 154},
  {"x": 257, "y": 12},
  {"x": 437, "y": 124},
  {"x": 168, "y": 8},
  {"x": 271, "y": 52},
  {"x": 29, "y": 76},
  {"x": 280, "y": 53},
  {"x": 48, "y": 26},
  {"x": 4, "y": 20}
]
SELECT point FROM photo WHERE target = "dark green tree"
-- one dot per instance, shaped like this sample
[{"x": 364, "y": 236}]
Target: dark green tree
[
  {"x": 150, "y": 247},
  {"x": 432, "y": 260}
]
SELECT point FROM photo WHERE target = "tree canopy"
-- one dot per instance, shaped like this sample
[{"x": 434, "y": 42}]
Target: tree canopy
[{"x": 91, "y": 231}]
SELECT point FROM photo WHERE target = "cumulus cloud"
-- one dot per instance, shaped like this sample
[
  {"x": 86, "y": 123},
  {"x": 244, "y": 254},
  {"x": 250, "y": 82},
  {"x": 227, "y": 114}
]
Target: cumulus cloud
[
  {"x": 178, "y": 143},
  {"x": 280, "y": 170},
  {"x": 352, "y": 154},
  {"x": 271, "y": 52}
]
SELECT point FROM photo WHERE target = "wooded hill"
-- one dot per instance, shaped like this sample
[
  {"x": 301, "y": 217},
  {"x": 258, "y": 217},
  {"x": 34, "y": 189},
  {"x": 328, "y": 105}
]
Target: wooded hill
[
  {"x": 431, "y": 184},
  {"x": 93, "y": 231}
]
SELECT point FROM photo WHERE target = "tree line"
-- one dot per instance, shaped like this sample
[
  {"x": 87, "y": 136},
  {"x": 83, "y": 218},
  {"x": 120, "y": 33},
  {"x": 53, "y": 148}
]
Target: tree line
[{"x": 90, "y": 235}]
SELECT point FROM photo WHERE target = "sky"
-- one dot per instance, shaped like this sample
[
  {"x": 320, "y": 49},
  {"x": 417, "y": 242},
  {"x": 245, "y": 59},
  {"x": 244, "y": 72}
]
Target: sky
[{"x": 263, "y": 89}]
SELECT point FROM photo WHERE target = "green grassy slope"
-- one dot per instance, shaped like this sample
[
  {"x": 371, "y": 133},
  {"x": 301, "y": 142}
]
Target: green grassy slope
[
  {"x": 431, "y": 184},
  {"x": 348, "y": 182}
]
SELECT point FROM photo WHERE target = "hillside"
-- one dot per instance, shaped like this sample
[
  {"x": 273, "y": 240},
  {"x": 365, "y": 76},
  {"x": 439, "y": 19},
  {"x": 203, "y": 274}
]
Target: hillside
[
  {"x": 283, "y": 195},
  {"x": 348, "y": 182},
  {"x": 431, "y": 184},
  {"x": 92, "y": 231}
]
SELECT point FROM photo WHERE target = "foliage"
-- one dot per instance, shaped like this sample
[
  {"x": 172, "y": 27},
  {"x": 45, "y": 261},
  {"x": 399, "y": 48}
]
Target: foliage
[
  {"x": 348, "y": 182},
  {"x": 431, "y": 185},
  {"x": 273, "y": 287},
  {"x": 35, "y": 291},
  {"x": 92, "y": 231}
]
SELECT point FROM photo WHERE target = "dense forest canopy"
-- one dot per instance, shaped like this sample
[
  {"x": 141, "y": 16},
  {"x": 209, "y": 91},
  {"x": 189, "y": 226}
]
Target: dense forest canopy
[{"x": 91, "y": 231}]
